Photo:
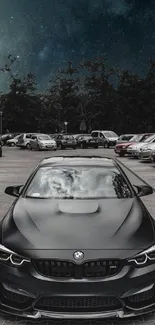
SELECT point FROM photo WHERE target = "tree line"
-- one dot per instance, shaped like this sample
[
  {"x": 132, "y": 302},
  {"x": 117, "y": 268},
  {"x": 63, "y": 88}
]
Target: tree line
[{"x": 90, "y": 96}]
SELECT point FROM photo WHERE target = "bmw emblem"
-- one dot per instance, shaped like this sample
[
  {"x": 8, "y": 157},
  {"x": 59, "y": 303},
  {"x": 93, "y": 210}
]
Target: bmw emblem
[{"x": 78, "y": 255}]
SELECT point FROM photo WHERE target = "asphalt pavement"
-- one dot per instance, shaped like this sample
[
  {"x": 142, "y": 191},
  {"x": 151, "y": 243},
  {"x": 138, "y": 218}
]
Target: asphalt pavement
[{"x": 15, "y": 167}]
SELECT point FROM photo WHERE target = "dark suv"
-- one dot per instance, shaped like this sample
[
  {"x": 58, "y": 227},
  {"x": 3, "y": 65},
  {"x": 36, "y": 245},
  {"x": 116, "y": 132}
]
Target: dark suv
[{"x": 64, "y": 141}]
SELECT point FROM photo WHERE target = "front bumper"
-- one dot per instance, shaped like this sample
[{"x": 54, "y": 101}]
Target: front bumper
[
  {"x": 129, "y": 293},
  {"x": 120, "y": 151},
  {"x": 133, "y": 153},
  {"x": 145, "y": 155},
  {"x": 48, "y": 147}
]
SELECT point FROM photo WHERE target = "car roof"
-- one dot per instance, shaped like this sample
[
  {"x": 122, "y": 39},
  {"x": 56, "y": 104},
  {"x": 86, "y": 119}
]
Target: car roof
[{"x": 78, "y": 160}]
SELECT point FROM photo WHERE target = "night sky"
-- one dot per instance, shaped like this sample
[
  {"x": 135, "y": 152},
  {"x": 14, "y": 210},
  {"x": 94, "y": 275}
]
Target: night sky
[{"x": 45, "y": 34}]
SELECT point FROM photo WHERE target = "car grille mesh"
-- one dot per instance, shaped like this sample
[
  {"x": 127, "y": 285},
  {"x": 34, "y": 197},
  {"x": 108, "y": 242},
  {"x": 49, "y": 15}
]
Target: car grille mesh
[
  {"x": 77, "y": 304},
  {"x": 66, "y": 269}
]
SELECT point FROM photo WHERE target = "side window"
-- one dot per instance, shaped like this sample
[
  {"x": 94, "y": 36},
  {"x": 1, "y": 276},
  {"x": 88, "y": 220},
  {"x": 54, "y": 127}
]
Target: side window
[
  {"x": 21, "y": 137},
  {"x": 28, "y": 136},
  {"x": 101, "y": 135},
  {"x": 94, "y": 134},
  {"x": 34, "y": 137}
]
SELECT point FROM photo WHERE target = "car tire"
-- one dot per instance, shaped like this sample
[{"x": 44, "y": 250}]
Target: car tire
[
  {"x": 96, "y": 147},
  {"x": 28, "y": 146},
  {"x": 121, "y": 154},
  {"x": 106, "y": 145},
  {"x": 2, "y": 143},
  {"x": 1, "y": 153},
  {"x": 82, "y": 146},
  {"x": 74, "y": 147}
]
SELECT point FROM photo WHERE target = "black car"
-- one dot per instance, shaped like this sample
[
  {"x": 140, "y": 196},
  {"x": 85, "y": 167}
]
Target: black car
[
  {"x": 64, "y": 141},
  {"x": 5, "y": 137},
  {"x": 87, "y": 141},
  {"x": 77, "y": 243}
]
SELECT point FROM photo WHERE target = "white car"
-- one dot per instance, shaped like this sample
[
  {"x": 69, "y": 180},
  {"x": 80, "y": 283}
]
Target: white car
[
  {"x": 134, "y": 150},
  {"x": 42, "y": 142},
  {"x": 13, "y": 142}
]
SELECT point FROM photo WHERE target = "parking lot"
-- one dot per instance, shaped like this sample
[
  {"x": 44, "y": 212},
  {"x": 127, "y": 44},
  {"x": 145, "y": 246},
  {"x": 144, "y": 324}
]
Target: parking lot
[{"x": 15, "y": 167}]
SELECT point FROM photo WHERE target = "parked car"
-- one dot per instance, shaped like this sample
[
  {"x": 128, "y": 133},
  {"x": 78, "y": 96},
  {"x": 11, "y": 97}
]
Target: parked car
[
  {"x": 153, "y": 156},
  {"x": 42, "y": 142},
  {"x": 65, "y": 141},
  {"x": 121, "y": 148},
  {"x": 145, "y": 152},
  {"x": 125, "y": 138},
  {"x": 13, "y": 142},
  {"x": 1, "y": 150},
  {"x": 6, "y": 137},
  {"x": 77, "y": 221},
  {"x": 87, "y": 141},
  {"x": 134, "y": 149},
  {"x": 24, "y": 140},
  {"x": 105, "y": 138}
]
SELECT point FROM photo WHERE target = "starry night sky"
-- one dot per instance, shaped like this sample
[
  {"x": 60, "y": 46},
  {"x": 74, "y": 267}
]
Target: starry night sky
[{"x": 45, "y": 34}]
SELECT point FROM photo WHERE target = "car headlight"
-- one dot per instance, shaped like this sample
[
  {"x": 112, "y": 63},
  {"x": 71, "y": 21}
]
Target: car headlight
[
  {"x": 146, "y": 149},
  {"x": 144, "y": 258},
  {"x": 8, "y": 256}
]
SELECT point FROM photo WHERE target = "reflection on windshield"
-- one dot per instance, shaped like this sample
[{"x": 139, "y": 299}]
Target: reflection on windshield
[
  {"x": 110, "y": 134},
  {"x": 149, "y": 138},
  {"x": 78, "y": 183},
  {"x": 44, "y": 137}
]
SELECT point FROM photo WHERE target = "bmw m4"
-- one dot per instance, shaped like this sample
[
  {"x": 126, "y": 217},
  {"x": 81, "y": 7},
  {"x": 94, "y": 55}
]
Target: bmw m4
[{"x": 77, "y": 242}]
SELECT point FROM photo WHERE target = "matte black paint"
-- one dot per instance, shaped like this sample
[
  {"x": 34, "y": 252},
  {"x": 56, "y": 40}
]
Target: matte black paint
[{"x": 101, "y": 228}]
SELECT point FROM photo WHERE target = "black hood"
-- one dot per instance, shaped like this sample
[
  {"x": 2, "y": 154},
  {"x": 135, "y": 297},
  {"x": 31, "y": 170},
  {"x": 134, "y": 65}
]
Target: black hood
[{"x": 108, "y": 224}]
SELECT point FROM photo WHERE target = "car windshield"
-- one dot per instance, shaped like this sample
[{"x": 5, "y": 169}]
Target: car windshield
[
  {"x": 68, "y": 137},
  {"x": 44, "y": 137},
  {"x": 149, "y": 138},
  {"x": 136, "y": 138},
  {"x": 110, "y": 134},
  {"x": 84, "y": 182}
]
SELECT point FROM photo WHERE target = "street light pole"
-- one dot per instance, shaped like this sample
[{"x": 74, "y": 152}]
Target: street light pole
[
  {"x": 1, "y": 120},
  {"x": 66, "y": 123}
]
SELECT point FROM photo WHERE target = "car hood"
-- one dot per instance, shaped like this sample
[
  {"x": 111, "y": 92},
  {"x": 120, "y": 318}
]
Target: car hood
[
  {"x": 125, "y": 144},
  {"x": 112, "y": 138},
  {"x": 108, "y": 224},
  {"x": 139, "y": 145},
  {"x": 149, "y": 146}
]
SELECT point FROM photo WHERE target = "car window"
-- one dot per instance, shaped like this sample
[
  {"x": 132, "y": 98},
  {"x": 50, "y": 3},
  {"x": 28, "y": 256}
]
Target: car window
[
  {"x": 110, "y": 134},
  {"x": 28, "y": 136},
  {"x": 21, "y": 137},
  {"x": 44, "y": 137},
  {"x": 94, "y": 134},
  {"x": 78, "y": 183}
]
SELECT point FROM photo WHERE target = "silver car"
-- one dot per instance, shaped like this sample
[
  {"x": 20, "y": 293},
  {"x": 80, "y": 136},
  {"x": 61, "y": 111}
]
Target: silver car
[
  {"x": 42, "y": 142},
  {"x": 145, "y": 152}
]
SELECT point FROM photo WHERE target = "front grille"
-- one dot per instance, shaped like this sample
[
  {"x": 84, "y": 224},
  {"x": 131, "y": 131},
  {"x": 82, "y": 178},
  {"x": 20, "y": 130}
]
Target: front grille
[
  {"x": 78, "y": 304},
  {"x": 141, "y": 299},
  {"x": 66, "y": 269}
]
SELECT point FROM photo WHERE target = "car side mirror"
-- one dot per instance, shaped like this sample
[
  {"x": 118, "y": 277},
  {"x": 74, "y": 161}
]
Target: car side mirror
[
  {"x": 144, "y": 190},
  {"x": 14, "y": 190}
]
